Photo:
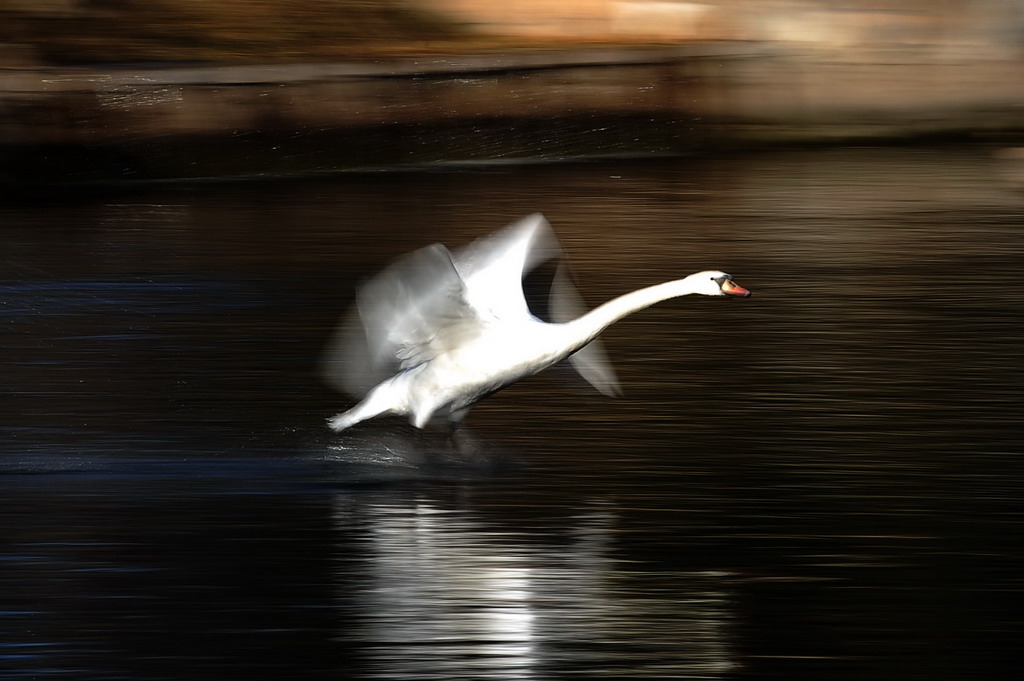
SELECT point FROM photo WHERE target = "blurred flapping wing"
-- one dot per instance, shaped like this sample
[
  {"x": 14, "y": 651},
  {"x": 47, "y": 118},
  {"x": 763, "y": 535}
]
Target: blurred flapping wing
[
  {"x": 493, "y": 266},
  {"x": 408, "y": 314},
  {"x": 591, "y": 361}
]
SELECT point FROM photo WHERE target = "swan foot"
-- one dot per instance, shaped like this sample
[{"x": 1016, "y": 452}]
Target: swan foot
[{"x": 340, "y": 422}]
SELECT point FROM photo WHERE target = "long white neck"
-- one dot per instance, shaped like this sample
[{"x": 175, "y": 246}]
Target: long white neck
[{"x": 590, "y": 325}]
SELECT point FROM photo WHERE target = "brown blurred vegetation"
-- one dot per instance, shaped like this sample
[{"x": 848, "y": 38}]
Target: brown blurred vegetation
[{"x": 126, "y": 31}]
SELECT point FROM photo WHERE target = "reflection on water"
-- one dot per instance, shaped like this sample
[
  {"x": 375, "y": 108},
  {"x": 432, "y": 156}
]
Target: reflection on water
[
  {"x": 444, "y": 597},
  {"x": 819, "y": 482}
]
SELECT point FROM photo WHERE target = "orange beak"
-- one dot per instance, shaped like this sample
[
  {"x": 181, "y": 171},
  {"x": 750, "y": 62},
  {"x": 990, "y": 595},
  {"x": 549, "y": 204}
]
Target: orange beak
[{"x": 730, "y": 288}]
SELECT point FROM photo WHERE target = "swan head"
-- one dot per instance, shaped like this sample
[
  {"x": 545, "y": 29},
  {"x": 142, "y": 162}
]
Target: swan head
[{"x": 715, "y": 283}]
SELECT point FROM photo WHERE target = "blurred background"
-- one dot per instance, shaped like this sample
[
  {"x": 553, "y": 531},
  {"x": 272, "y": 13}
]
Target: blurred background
[
  {"x": 822, "y": 481},
  {"x": 119, "y": 90}
]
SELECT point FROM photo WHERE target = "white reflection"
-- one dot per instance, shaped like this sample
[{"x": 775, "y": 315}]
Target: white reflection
[
  {"x": 432, "y": 586},
  {"x": 440, "y": 595}
]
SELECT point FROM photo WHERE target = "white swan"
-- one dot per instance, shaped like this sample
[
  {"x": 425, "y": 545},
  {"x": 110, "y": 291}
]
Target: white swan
[{"x": 436, "y": 332}]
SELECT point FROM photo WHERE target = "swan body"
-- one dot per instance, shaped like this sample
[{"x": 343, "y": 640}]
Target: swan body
[{"x": 436, "y": 332}]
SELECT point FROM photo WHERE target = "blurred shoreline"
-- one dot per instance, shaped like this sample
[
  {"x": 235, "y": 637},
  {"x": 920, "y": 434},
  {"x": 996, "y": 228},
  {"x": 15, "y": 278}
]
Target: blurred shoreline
[{"x": 546, "y": 94}]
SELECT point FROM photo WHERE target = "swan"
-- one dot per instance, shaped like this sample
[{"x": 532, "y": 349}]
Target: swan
[{"x": 437, "y": 331}]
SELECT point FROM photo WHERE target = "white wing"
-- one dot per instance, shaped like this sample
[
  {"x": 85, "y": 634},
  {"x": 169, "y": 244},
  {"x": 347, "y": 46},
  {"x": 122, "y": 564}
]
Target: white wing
[
  {"x": 493, "y": 266},
  {"x": 590, "y": 361},
  {"x": 408, "y": 314}
]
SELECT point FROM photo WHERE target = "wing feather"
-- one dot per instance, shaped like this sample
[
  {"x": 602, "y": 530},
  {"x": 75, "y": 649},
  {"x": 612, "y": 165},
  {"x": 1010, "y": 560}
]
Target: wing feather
[
  {"x": 591, "y": 361},
  {"x": 493, "y": 266},
  {"x": 408, "y": 314}
]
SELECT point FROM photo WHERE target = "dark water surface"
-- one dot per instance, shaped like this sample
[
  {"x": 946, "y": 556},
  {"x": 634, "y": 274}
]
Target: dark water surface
[{"x": 819, "y": 482}]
